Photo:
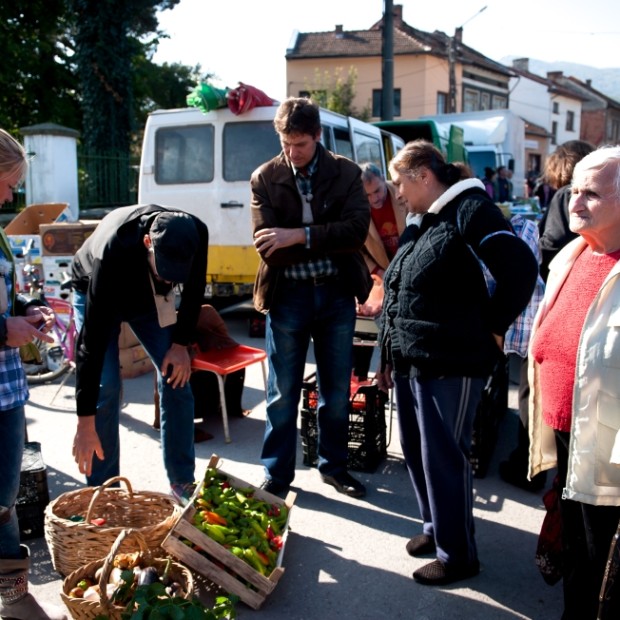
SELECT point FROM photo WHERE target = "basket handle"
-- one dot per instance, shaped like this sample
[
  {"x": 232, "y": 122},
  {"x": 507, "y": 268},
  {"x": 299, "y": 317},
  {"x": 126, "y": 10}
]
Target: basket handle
[
  {"x": 108, "y": 563},
  {"x": 101, "y": 489}
]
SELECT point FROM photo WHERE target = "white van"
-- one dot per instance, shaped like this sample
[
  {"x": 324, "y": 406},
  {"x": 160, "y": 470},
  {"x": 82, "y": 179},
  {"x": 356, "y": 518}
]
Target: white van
[{"x": 202, "y": 163}]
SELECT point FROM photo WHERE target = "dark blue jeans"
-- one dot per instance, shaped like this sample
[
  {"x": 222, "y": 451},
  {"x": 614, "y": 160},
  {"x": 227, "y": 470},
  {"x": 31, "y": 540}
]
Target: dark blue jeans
[
  {"x": 325, "y": 313},
  {"x": 176, "y": 405},
  {"x": 12, "y": 437}
]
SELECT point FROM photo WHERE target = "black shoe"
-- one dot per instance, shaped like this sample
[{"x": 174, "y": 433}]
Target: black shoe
[
  {"x": 421, "y": 544},
  {"x": 345, "y": 483},
  {"x": 436, "y": 573},
  {"x": 517, "y": 477},
  {"x": 275, "y": 488}
]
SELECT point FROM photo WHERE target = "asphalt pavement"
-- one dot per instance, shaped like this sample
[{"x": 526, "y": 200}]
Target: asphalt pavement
[{"x": 344, "y": 558}]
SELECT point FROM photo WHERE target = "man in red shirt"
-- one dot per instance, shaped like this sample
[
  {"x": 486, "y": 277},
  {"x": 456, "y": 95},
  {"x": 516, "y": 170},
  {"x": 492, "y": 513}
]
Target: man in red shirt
[{"x": 386, "y": 226}]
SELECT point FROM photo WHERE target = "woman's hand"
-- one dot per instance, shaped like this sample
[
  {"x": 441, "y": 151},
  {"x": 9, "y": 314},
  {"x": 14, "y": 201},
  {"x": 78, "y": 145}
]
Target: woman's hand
[{"x": 384, "y": 379}]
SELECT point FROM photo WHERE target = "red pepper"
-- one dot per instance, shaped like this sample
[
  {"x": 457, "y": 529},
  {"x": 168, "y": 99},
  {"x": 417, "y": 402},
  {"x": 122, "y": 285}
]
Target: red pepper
[
  {"x": 214, "y": 518},
  {"x": 98, "y": 521},
  {"x": 276, "y": 543}
]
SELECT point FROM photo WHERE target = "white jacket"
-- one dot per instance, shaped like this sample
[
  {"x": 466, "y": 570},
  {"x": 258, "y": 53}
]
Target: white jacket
[{"x": 594, "y": 450}]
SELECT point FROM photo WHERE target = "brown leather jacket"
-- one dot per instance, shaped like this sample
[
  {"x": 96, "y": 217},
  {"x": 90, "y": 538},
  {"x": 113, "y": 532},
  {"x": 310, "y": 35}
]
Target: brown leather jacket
[{"x": 341, "y": 219}]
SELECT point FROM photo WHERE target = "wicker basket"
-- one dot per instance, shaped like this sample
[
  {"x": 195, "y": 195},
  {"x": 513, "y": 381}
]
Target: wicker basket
[
  {"x": 74, "y": 544},
  {"x": 80, "y": 608}
]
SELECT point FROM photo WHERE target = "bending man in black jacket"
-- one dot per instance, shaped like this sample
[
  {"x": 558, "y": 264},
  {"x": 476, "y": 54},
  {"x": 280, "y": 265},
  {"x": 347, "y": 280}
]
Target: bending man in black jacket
[{"x": 126, "y": 271}]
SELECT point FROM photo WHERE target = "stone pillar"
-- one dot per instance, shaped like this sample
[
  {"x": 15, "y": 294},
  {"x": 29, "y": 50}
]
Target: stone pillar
[{"x": 52, "y": 175}]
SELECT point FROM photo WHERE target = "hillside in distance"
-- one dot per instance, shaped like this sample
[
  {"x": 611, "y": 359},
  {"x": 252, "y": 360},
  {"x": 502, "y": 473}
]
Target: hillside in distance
[{"x": 606, "y": 81}]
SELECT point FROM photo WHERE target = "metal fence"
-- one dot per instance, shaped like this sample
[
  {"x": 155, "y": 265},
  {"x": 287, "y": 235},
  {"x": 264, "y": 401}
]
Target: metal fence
[{"x": 107, "y": 179}]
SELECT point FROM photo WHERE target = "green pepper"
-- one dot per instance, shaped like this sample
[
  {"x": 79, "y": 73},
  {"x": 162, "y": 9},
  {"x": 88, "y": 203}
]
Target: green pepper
[{"x": 252, "y": 558}]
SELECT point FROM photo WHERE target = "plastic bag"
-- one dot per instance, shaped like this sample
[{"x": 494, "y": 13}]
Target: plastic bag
[
  {"x": 245, "y": 97},
  {"x": 207, "y": 97},
  {"x": 549, "y": 548}
]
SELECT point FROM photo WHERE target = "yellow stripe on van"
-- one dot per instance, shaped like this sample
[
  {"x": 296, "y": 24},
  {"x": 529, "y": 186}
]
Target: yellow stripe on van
[{"x": 232, "y": 263}]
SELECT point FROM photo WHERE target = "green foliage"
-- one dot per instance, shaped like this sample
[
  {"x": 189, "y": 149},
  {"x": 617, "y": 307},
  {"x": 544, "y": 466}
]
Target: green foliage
[
  {"x": 86, "y": 64},
  {"x": 152, "y": 603},
  {"x": 37, "y": 83},
  {"x": 336, "y": 93}
]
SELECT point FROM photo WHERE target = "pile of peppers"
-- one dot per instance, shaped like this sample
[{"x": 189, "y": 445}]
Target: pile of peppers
[{"x": 248, "y": 527}]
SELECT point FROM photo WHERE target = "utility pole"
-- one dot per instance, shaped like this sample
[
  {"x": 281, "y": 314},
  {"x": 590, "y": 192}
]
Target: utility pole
[
  {"x": 387, "y": 72},
  {"x": 452, "y": 49}
]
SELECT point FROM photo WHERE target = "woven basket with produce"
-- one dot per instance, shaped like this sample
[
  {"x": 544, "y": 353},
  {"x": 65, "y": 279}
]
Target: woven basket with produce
[
  {"x": 82, "y": 525},
  {"x": 107, "y": 587}
]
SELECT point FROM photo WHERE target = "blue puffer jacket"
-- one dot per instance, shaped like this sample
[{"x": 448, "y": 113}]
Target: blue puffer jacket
[{"x": 438, "y": 315}]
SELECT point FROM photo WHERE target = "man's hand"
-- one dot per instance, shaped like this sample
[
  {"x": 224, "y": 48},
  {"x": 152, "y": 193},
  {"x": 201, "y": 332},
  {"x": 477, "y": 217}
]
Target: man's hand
[
  {"x": 85, "y": 444},
  {"x": 268, "y": 240},
  {"x": 21, "y": 330},
  {"x": 372, "y": 306},
  {"x": 176, "y": 368}
]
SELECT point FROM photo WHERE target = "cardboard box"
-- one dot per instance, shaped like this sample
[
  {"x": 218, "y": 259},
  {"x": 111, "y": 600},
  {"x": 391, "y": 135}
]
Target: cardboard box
[
  {"x": 134, "y": 362},
  {"x": 27, "y": 222},
  {"x": 127, "y": 338},
  {"x": 214, "y": 561},
  {"x": 63, "y": 238},
  {"x": 23, "y": 230}
]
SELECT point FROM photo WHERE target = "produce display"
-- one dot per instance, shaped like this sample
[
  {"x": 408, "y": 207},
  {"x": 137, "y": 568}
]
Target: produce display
[
  {"x": 128, "y": 573},
  {"x": 247, "y": 526}
]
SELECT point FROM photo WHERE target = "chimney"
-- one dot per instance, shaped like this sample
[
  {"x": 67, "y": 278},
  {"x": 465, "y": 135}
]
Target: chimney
[
  {"x": 458, "y": 34},
  {"x": 589, "y": 83},
  {"x": 398, "y": 14},
  {"x": 554, "y": 76},
  {"x": 339, "y": 33},
  {"x": 521, "y": 64}
]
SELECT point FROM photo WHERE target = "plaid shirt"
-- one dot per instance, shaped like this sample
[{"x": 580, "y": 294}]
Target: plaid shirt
[
  {"x": 13, "y": 384},
  {"x": 311, "y": 268},
  {"x": 518, "y": 335}
]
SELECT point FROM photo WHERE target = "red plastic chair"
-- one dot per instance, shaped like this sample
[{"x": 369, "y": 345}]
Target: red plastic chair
[{"x": 222, "y": 362}]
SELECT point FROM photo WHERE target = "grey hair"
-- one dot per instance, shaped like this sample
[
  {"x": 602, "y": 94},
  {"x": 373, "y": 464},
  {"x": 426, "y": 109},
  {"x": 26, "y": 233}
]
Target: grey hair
[
  {"x": 599, "y": 158},
  {"x": 370, "y": 171}
]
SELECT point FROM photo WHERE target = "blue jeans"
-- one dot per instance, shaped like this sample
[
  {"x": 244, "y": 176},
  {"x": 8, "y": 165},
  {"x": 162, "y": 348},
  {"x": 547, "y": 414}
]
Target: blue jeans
[
  {"x": 12, "y": 437},
  {"x": 176, "y": 405},
  {"x": 300, "y": 311}
]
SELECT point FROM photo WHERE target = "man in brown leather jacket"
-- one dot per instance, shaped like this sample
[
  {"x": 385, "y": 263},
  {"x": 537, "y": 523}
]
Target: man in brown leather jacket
[{"x": 310, "y": 219}]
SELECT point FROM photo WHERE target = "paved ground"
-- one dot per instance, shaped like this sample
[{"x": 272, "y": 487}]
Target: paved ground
[{"x": 344, "y": 558}]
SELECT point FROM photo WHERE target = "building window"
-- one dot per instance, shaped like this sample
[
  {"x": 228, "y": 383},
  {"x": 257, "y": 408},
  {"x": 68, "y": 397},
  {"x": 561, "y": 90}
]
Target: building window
[
  {"x": 556, "y": 107},
  {"x": 614, "y": 137},
  {"x": 554, "y": 132},
  {"x": 471, "y": 100},
  {"x": 485, "y": 101},
  {"x": 377, "y": 103},
  {"x": 500, "y": 102},
  {"x": 570, "y": 121},
  {"x": 442, "y": 103}
]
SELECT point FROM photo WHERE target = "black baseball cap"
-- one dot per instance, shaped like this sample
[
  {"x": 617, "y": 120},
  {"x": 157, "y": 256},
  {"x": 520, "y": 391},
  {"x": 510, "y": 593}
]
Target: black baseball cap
[{"x": 175, "y": 241}]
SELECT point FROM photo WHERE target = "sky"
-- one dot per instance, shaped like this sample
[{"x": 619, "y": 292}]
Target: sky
[{"x": 246, "y": 40}]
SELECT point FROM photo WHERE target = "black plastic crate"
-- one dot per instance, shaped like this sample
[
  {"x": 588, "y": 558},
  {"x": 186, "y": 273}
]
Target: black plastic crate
[
  {"x": 367, "y": 445},
  {"x": 33, "y": 494}
]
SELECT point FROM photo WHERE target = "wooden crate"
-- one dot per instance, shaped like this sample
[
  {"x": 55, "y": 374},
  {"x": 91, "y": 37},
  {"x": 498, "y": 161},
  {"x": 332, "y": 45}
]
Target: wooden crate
[{"x": 220, "y": 566}]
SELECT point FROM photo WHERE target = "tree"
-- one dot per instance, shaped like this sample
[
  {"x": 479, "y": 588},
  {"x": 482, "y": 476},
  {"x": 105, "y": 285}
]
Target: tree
[
  {"x": 37, "y": 83},
  {"x": 337, "y": 93},
  {"x": 107, "y": 39}
]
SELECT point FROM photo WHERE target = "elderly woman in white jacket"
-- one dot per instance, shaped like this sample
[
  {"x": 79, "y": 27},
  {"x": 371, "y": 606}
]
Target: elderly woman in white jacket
[{"x": 575, "y": 382}]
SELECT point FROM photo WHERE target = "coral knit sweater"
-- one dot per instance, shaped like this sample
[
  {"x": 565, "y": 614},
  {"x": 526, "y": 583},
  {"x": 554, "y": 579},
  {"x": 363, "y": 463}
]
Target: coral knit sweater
[{"x": 556, "y": 340}]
